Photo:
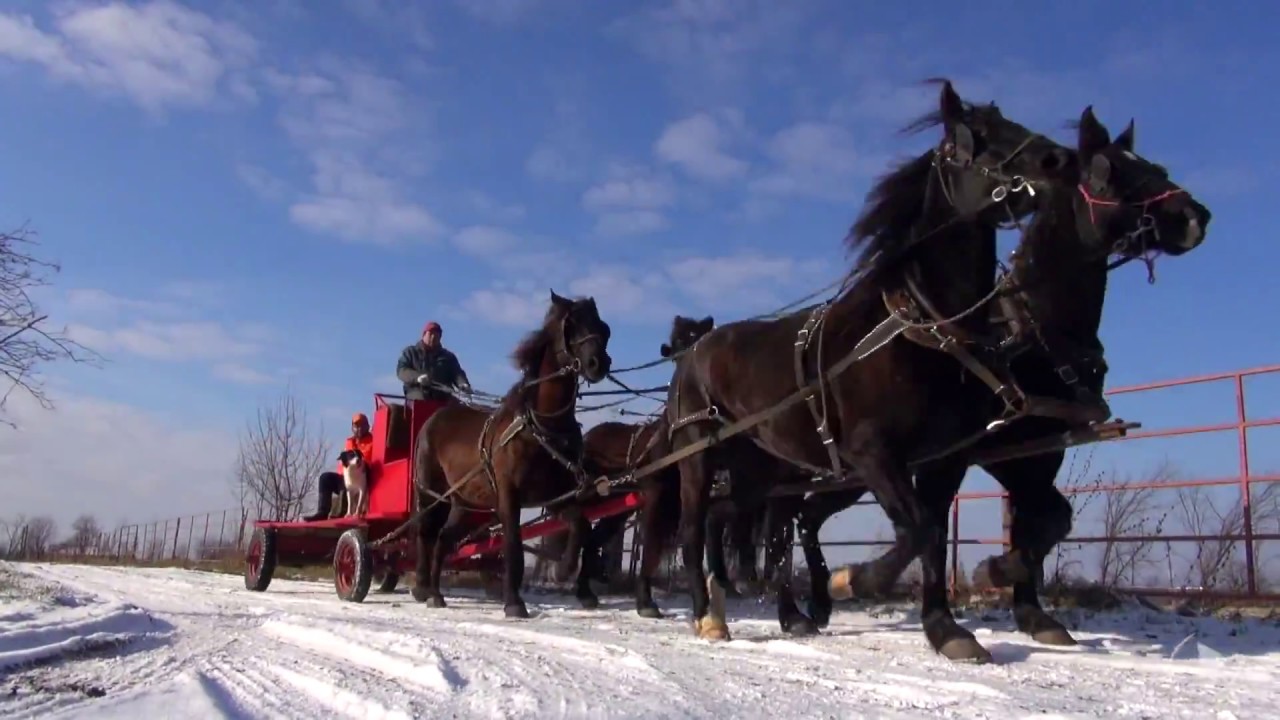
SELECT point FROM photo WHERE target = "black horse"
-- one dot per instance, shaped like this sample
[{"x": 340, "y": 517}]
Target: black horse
[
  {"x": 1052, "y": 307},
  {"x": 873, "y": 400}
]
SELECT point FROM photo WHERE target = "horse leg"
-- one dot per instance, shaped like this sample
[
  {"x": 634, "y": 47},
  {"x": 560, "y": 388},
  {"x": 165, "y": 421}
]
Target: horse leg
[
  {"x": 1041, "y": 519},
  {"x": 512, "y": 552},
  {"x": 453, "y": 530},
  {"x": 720, "y": 516},
  {"x": 814, "y": 511},
  {"x": 695, "y": 490},
  {"x": 779, "y": 534},
  {"x": 658, "y": 514},
  {"x": 427, "y": 538},
  {"x": 937, "y": 485},
  {"x": 917, "y": 527},
  {"x": 590, "y": 566},
  {"x": 578, "y": 526},
  {"x": 742, "y": 532},
  {"x": 599, "y": 537}
]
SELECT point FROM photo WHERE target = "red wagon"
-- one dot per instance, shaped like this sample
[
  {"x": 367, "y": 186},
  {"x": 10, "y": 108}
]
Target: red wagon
[{"x": 349, "y": 541}]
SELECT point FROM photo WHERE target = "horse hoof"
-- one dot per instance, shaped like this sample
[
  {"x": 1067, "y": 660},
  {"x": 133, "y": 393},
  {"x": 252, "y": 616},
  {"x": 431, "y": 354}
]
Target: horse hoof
[
  {"x": 731, "y": 591},
  {"x": 840, "y": 586},
  {"x": 420, "y": 594},
  {"x": 1054, "y": 636},
  {"x": 436, "y": 601},
  {"x": 800, "y": 627},
  {"x": 746, "y": 588},
  {"x": 589, "y": 602},
  {"x": 516, "y": 610},
  {"x": 964, "y": 649},
  {"x": 653, "y": 613},
  {"x": 711, "y": 628},
  {"x": 821, "y": 617}
]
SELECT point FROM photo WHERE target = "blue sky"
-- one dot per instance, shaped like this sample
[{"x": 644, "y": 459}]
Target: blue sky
[{"x": 248, "y": 194}]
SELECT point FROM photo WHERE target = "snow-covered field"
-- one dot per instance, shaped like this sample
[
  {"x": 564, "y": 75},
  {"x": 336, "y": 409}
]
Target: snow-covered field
[{"x": 100, "y": 642}]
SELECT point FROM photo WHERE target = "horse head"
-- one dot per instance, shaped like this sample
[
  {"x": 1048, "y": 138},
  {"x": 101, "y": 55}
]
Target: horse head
[
  {"x": 1133, "y": 207},
  {"x": 581, "y": 338},
  {"x": 685, "y": 331}
]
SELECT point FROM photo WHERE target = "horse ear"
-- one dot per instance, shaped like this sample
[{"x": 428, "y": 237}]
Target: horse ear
[
  {"x": 1099, "y": 172},
  {"x": 708, "y": 322},
  {"x": 557, "y": 300},
  {"x": 1093, "y": 135},
  {"x": 665, "y": 350},
  {"x": 1125, "y": 138}
]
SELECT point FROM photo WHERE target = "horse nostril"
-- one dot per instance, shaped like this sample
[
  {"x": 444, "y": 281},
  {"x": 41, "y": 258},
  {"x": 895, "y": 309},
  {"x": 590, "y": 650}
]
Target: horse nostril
[{"x": 593, "y": 363}]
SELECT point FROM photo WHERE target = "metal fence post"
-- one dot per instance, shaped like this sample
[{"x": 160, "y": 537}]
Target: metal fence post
[{"x": 1245, "y": 494}]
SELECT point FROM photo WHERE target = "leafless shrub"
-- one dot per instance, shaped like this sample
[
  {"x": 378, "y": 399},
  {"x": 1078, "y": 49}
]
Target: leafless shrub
[
  {"x": 26, "y": 340},
  {"x": 1131, "y": 512},
  {"x": 85, "y": 534},
  {"x": 1081, "y": 485},
  {"x": 1216, "y": 564},
  {"x": 280, "y": 457}
]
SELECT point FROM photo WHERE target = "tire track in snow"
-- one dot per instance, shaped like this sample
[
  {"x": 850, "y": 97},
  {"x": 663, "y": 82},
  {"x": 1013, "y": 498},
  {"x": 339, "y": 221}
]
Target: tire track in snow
[{"x": 369, "y": 650}]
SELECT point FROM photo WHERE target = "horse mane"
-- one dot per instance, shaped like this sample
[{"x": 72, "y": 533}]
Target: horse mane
[
  {"x": 527, "y": 357},
  {"x": 893, "y": 203}
]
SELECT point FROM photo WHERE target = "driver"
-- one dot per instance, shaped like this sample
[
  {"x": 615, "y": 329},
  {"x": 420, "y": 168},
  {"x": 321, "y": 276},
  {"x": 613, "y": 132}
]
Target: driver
[{"x": 427, "y": 368}]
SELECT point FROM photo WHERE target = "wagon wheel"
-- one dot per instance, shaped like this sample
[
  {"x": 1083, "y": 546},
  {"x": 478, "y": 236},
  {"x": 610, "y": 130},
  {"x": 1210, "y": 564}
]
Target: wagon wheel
[
  {"x": 260, "y": 559},
  {"x": 352, "y": 566},
  {"x": 387, "y": 577}
]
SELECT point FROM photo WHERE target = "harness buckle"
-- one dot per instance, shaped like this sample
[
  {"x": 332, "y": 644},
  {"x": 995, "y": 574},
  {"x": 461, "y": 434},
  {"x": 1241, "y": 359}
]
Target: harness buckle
[{"x": 1068, "y": 375}]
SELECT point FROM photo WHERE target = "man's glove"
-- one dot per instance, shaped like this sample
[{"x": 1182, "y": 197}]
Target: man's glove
[
  {"x": 424, "y": 379},
  {"x": 465, "y": 386}
]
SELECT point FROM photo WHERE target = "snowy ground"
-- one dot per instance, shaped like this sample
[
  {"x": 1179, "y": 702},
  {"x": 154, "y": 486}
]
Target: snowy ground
[{"x": 98, "y": 642}]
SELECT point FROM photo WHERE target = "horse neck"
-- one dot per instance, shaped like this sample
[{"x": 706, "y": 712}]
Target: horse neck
[
  {"x": 1064, "y": 283},
  {"x": 553, "y": 395}
]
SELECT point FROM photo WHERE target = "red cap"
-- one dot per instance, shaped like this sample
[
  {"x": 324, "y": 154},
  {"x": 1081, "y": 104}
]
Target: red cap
[{"x": 432, "y": 326}]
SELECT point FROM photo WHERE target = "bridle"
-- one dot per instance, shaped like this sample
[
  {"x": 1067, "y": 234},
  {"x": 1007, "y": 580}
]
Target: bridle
[{"x": 1144, "y": 230}]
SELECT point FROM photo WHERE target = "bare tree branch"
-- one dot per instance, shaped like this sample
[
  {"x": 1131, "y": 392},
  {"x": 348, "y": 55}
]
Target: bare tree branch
[
  {"x": 281, "y": 456},
  {"x": 26, "y": 343},
  {"x": 1131, "y": 512}
]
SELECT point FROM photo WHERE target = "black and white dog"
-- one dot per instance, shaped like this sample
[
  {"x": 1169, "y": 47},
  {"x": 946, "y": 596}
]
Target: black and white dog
[{"x": 356, "y": 481}]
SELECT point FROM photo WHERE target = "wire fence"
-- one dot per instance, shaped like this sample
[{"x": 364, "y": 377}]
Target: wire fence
[{"x": 1225, "y": 550}]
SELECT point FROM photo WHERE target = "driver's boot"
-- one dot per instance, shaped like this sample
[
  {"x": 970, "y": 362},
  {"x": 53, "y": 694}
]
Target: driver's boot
[{"x": 322, "y": 508}]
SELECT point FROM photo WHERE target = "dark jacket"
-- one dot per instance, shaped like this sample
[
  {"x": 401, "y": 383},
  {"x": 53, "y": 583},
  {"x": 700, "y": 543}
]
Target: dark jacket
[{"x": 440, "y": 364}]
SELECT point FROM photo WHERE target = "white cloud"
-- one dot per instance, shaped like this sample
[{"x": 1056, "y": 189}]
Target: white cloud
[
  {"x": 159, "y": 55},
  {"x": 169, "y": 330},
  {"x": 812, "y": 159},
  {"x": 175, "y": 341},
  {"x": 508, "y": 308},
  {"x": 618, "y": 293},
  {"x": 123, "y": 465},
  {"x": 629, "y": 188},
  {"x": 498, "y": 12},
  {"x": 262, "y": 182},
  {"x": 492, "y": 210},
  {"x": 731, "y": 285},
  {"x": 633, "y": 222},
  {"x": 346, "y": 121},
  {"x": 629, "y": 201},
  {"x": 100, "y": 303},
  {"x": 696, "y": 144},
  {"x": 485, "y": 241},
  {"x": 742, "y": 281},
  {"x": 511, "y": 253},
  {"x": 241, "y": 374},
  {"x": 564, "y": 156},
  {"x": 406, "y": 19},
  {"x": 719, "y": 49}
]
